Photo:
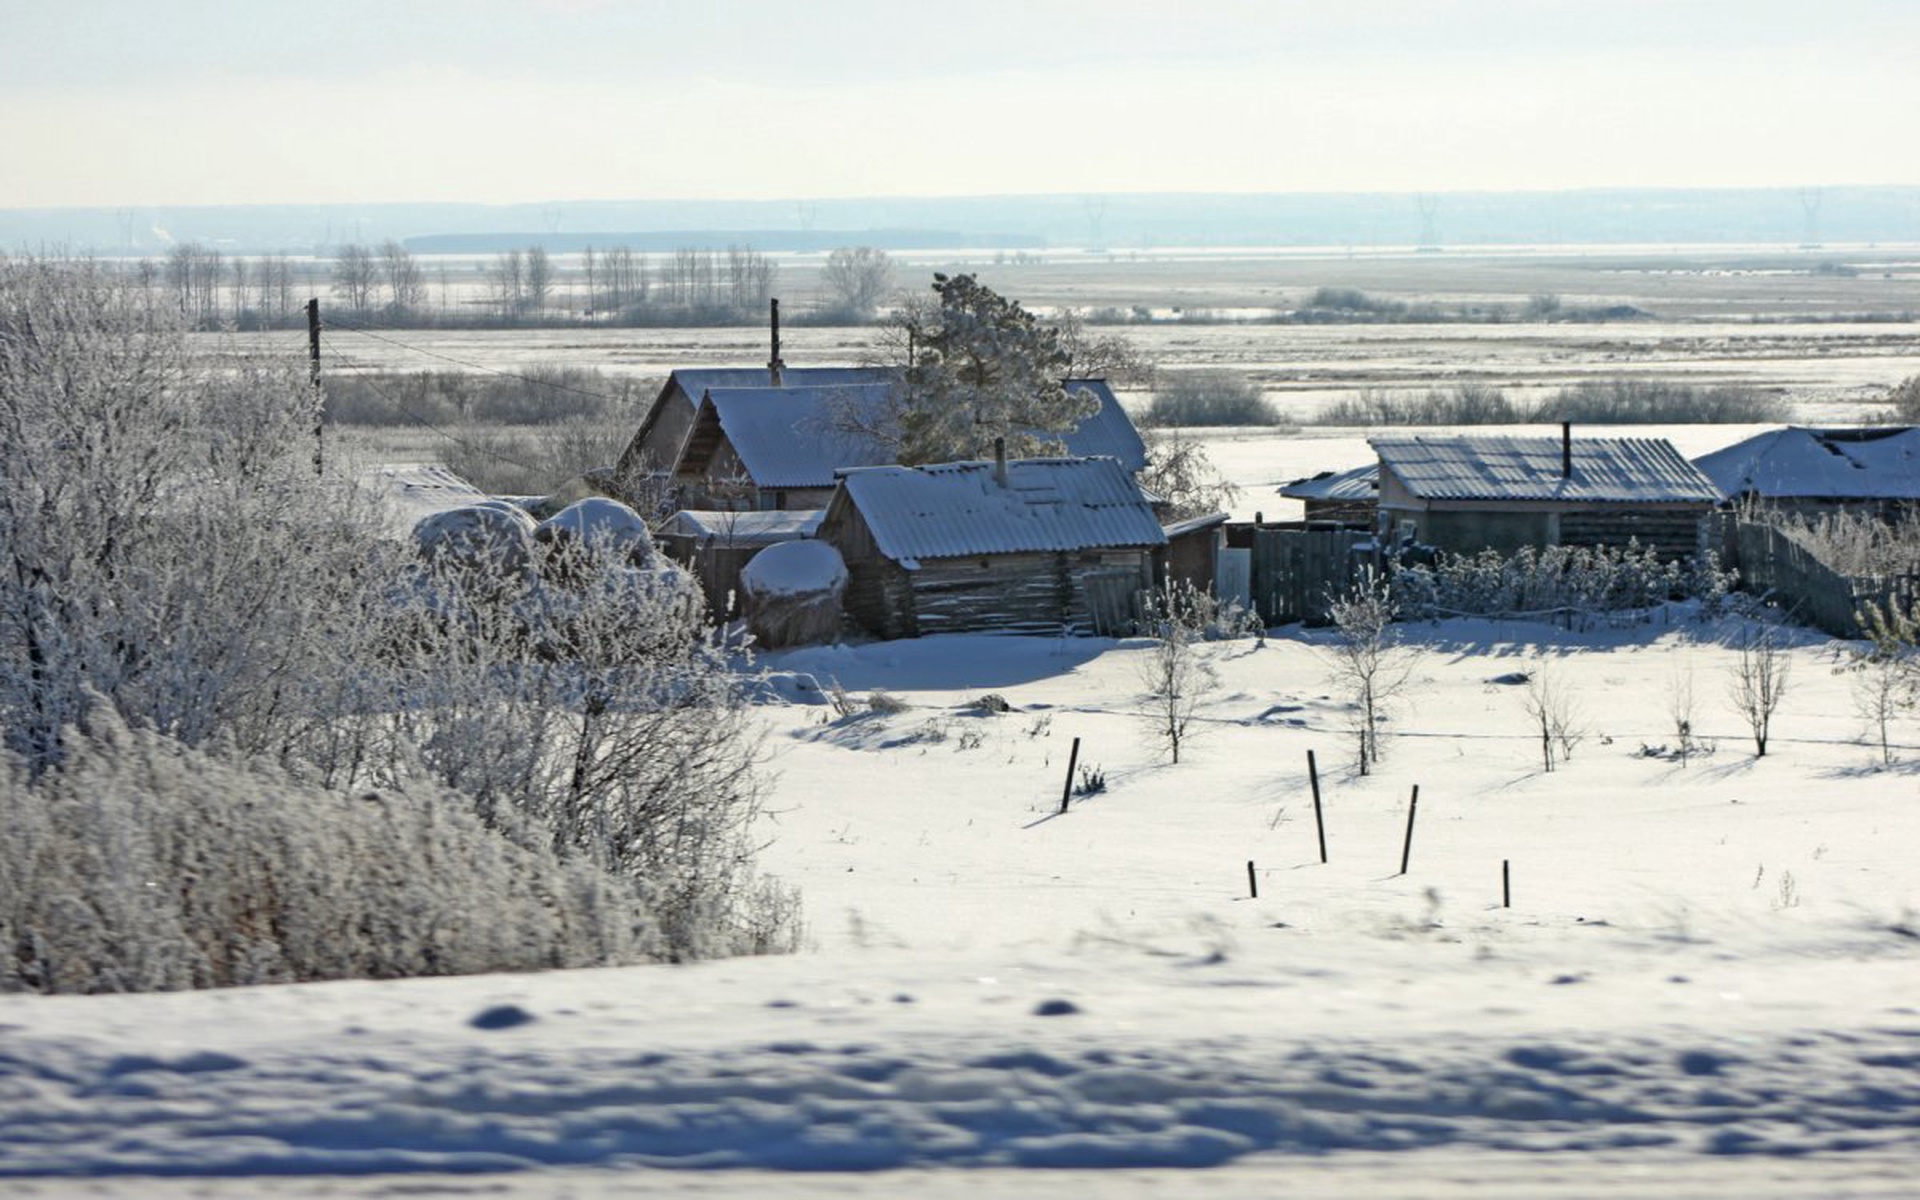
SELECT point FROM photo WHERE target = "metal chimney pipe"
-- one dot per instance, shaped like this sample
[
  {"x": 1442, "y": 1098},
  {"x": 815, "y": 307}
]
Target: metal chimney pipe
[
  {"x": 1000, "y": 461},
  {"x": 1566, "y": 449},
  {"x": 774, "y": 365}
]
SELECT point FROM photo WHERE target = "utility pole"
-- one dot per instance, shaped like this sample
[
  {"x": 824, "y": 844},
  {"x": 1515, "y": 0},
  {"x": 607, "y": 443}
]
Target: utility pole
[{"x": 313, "y": 377}]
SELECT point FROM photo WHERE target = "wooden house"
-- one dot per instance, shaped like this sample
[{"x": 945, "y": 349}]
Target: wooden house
[
  {"x": 656, "y": 446},
  {"x": 1812, "y": 472},
  {"x": 774, "y": 449},
  {"x": 778, "y": 448},
  {"x": 1465, "y": 494},
  {"x": 1027, "y": 546}
]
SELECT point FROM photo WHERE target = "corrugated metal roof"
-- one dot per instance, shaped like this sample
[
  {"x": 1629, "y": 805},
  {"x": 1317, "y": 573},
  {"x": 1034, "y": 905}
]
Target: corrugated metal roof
[
  {"x": 1358, "y": 483},
  {"x": 957, "y": 509},
  {"x": 1821, "y": 464},
  {"x": 789, "y": 437},
  {"x": 1612, "y": 470}
]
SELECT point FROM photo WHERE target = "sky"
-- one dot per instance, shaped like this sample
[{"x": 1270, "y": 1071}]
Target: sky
[{"x": 111, "y": 102}]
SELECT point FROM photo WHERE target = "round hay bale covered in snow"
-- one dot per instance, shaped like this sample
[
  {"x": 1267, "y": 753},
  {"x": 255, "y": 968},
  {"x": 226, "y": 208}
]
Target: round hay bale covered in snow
[
  {"x": 602, "y": 526},
  {"x": 791, "y": 593},
  {"x": 488, "y": 540}
]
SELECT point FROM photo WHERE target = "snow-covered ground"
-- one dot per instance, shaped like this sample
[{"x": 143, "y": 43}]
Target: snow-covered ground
[{"x": 1708, "y": 982}]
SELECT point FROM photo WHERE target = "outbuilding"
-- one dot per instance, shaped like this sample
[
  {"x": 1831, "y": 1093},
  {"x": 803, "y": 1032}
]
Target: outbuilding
[
  {"x": 1046, "y": 545},
  {"x": 1465, "y": 494}
]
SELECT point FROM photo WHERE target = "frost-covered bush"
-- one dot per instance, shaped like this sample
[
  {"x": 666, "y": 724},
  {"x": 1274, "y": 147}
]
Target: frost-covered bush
[
  {"x": 171, "y": 561},
  {"x": 165, "y": 543},
  {"x": 1557, "y": 581},
  {"x": 1209, "y": 397},
  {"x": 602, "y": 713},
  {"x": 1857, "y": 544},
  {"x": 142, "y": 864}
]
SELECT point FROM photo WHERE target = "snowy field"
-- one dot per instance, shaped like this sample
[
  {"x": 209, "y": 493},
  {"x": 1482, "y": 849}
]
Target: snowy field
[{"x": 1708, "y": 983}]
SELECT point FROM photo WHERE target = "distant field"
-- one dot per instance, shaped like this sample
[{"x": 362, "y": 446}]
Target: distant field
[{"x": 1718, "y": 317}]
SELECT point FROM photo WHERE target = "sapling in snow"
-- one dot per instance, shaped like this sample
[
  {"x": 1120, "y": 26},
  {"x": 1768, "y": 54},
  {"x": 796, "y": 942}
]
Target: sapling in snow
[
  {"x": 1370, "y": 664},
  {"x": 1760, "y": 677}
]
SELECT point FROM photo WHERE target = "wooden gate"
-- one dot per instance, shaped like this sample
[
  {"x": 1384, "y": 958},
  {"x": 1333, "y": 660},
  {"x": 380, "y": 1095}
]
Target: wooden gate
[{"x": 1297, "y": 573}]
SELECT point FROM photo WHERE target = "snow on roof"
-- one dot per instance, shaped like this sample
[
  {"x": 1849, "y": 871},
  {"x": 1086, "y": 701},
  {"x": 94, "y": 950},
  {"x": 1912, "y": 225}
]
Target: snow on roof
[
  {"x": 1827, "y": 464},
  {"x": 787, "y": 437},
  {"x": 794, "y": 569},
  {"x": 1491, "y": 467},
  {"x": 954, "y": 509},
  {"x": 744, "y": 528},
  {"x": 1358, "y": 483}
]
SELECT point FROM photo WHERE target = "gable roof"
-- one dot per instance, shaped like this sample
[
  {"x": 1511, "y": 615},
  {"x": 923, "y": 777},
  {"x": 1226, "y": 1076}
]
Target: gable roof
[
  {"x": 788, "y": 437},
  {"x": 951, "y": 510},
  {"x": 1610, "y": 470},
  {"x": 1109, "y": 432},
  {"x": 1822, "y": 464}
]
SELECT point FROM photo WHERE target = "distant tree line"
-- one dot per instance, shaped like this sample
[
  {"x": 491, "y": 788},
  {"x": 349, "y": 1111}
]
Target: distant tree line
[{"x": 524, "y": 287}]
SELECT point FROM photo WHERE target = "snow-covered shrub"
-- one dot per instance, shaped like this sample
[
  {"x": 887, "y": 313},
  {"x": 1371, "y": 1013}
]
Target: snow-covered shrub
[
  {"x": 166, "y": 546},
  {"x": 1559, "y": 581},
  {"x": 604, "y": 714},
  {"x": 790, "y": 593},
  {"x": 140, "y": 864},
  {"x": 170, "y": 559}
]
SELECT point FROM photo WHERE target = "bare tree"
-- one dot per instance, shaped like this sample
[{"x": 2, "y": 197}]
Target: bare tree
[
  {"x": 539, "y": 279},
  {"x": 1680, "y": 711},
  {"x": 354, "y": 276},
  {"x": 1108, "y": 356},
  {"x": 1174, "y": 674},
  {"x": 855, "y": 279},
  {"x": 1549, "y": 704},
  {"x": 1884, "y": 670},
  {"x": 750, "y": 276},
  {"x": 1760, "y": 677},
  {"x": 509, "y": 279},
  {"x": 1369, "y": 662},
  {"x": 406, "y": 286}
]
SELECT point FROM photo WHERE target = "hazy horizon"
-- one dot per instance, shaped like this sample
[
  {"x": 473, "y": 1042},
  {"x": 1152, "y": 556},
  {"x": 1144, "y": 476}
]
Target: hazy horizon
[{"x": 113, "y": 104}]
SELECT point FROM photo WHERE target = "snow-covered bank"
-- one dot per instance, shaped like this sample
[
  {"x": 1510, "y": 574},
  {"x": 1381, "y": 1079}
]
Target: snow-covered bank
[{"x": 1705, "y": 964}]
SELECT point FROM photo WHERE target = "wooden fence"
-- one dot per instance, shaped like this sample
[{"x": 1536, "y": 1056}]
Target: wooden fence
[
  {"x": 1297, "y": 573},
  {"x": 1772, "y": 564}
]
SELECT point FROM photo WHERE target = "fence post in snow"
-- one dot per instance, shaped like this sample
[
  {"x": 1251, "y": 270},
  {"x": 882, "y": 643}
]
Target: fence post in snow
[
  {"x": 1253, "y": 882},
  {"x": 1506, "y": 883},
  {"x": 1319, "y": 822},
  {"x": 1406, "y": 851},
  {"x": 1073, "y": 759}
]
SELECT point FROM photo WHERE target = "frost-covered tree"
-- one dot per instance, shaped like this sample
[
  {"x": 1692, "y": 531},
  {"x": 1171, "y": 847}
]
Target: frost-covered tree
[
  {"x": 164, "y": 544},
  {"x": 1175, "y": 675},
  {"x": 1369, "y": 663},
  {"x": 854, "y": 280},
  {"x": 977, "y": 367},
  {"x": 171, "y": 564}
]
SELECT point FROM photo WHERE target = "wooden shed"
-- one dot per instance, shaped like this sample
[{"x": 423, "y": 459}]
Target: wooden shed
[
  {"x": 1028, "y": 546},
  {"x": 1350, "y": 497},
  {"x": 1465, "y": 494}
]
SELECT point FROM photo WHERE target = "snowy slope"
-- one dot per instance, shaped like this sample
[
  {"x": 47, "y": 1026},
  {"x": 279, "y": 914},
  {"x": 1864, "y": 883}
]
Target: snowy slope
[{"x": 1708, "y": 984}]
